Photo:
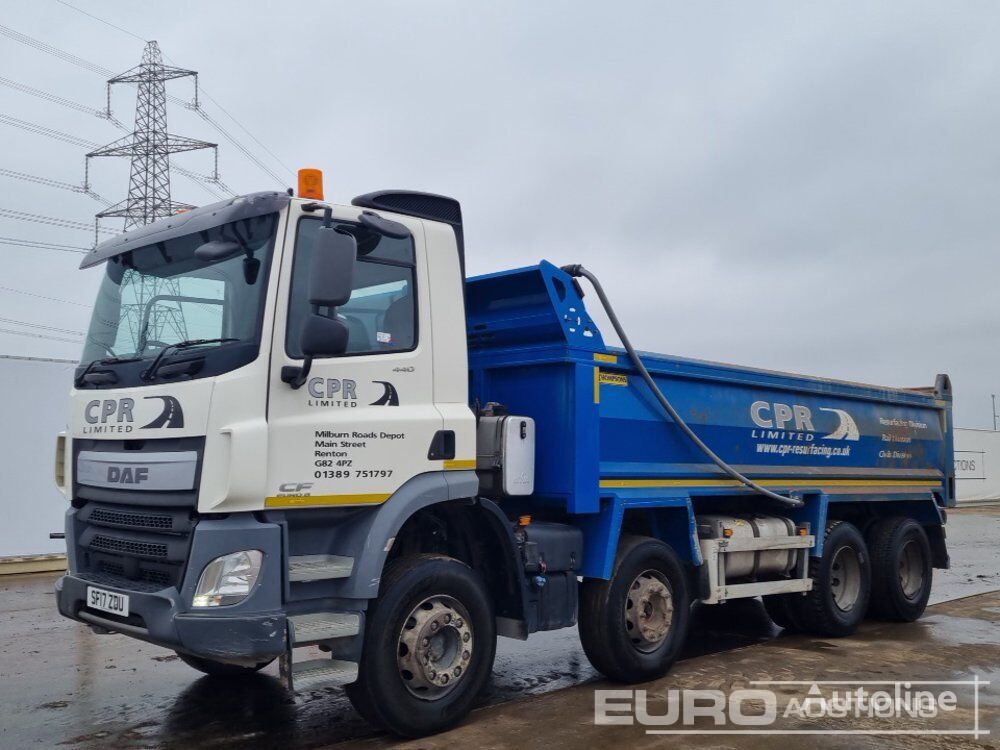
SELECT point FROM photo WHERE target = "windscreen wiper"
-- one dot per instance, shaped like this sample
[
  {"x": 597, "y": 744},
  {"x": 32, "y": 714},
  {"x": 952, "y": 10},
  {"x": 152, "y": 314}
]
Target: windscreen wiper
[
  {"x": 150, "y": 373},
  {"x": 89, "y": 369}
]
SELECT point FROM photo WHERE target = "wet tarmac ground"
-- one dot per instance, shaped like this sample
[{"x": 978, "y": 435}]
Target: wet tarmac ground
[
  {"x": 62, "y": 685},
  {"x": 952, "y": 650}
]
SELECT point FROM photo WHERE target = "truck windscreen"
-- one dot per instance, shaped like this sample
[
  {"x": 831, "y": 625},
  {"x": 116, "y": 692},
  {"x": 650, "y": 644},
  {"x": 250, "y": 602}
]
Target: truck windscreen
[{"x": 164, "y": 294}]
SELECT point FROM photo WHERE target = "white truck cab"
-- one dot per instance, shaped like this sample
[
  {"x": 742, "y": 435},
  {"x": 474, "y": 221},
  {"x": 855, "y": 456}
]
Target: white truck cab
[
  {"x": 373, "y": 410},
  {"x": 266, "y": 396}
]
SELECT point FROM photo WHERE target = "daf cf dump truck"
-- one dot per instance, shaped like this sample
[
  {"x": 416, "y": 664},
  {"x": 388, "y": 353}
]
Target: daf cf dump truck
[{"x": 298, "y": 425}]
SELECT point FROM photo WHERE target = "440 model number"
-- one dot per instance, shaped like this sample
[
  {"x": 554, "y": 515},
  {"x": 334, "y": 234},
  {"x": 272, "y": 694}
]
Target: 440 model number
[{"x": 357, "y": 473}]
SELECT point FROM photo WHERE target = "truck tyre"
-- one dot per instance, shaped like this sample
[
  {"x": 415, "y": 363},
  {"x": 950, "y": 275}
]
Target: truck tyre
[
  {"x": 430, "y": 639},
  {"x": 220, "y": 668},
  {"x": 633, "y": 626},
  {"x": 783, "y": 611},
  {"x": 901, "y": 569},
  {"x": 841, "y": 580}
]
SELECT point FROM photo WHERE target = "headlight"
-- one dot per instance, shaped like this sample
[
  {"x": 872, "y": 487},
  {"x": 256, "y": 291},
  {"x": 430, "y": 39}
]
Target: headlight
[{"x": 228, "y": 579}]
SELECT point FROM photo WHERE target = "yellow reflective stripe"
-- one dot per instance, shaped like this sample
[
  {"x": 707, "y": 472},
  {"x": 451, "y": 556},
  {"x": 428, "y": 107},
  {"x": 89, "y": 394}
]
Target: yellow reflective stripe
[
  {"x": 459, "y": 463},
  {"x": 638, "y": 483},
  {"x": 613, "y": 359},
  {"x": 597, "y": 385},
  {"x": 317, "y": 500}
]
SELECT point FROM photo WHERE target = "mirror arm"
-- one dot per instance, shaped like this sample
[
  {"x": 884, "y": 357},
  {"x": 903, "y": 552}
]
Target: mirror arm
[{"x": 297, "y": 376}]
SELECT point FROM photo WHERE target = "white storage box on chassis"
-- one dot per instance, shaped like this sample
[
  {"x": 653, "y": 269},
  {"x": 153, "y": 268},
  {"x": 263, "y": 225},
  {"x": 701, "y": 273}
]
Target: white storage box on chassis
[{"x": 505, "y": 455}]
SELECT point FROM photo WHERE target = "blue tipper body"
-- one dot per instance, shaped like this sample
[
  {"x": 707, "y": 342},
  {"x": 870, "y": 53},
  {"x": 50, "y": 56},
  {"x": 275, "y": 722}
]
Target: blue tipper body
[{"x": 604, "y": 445}]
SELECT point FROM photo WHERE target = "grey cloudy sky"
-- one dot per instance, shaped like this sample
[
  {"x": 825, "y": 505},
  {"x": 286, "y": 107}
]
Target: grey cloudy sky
[{"x": 799, "y": 186}]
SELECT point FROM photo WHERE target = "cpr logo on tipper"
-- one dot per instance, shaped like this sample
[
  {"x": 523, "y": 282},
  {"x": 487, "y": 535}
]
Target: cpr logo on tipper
[
  {"x": 796, "y": 418},
  {"x": 846, "y": 430}
]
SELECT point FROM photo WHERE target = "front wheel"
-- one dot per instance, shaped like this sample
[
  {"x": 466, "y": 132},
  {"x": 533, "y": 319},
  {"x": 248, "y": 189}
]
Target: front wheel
[
  {"x": 220, "y": 668},
  {"x": 633, "y": 626},
  {"x": 430, "y": 639}
]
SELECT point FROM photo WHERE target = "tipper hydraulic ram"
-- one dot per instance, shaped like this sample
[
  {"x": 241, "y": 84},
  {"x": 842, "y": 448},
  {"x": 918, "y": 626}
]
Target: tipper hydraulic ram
[{"x": 296, "y": 424}]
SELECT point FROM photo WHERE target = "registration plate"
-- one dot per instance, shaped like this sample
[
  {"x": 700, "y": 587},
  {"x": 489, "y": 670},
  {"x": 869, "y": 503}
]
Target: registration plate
[{"x": 107, "y": 601}]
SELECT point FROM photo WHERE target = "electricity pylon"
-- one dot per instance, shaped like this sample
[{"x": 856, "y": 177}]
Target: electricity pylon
[{"x": 149, "y": 146}]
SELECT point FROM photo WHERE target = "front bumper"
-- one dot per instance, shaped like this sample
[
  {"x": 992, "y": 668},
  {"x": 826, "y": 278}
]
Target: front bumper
[
  {"x": 246, "y": 633},
  {"x": 159, "y": 618}
]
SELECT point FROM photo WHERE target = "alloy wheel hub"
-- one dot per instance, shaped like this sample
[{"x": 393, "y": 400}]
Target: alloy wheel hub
[
  {"x": 649, "y": 609},
  {"x": 435, "y": 647}
]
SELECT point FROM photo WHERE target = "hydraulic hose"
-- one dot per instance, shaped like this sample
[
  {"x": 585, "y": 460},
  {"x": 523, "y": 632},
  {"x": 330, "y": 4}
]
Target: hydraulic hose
[{"x": 579, "y": 270}]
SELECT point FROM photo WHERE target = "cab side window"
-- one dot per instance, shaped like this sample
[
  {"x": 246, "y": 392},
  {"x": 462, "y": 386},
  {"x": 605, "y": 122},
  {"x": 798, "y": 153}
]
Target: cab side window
[{"x": 381, "y": 314}]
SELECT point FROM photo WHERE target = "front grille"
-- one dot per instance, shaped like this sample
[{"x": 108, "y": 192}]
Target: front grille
[
  {"x": 117, "y": 581},
  {"x": 111, "y": 568},
  {"x": 122, "y": 519},
  {"x": 128, "y": 547},
  {"x": 157, "y": 576},
  {"x": 140, "y": 548},
  {"x": 150, "y": 575}
]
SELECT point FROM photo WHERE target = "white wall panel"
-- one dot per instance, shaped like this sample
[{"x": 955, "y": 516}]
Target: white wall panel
[
  {"x": 977, "y": 465},
  {"x": 34, "y": 403}
]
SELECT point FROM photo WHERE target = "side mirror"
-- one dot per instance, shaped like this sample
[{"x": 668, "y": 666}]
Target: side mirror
[
  {"x": 331, "y": 276},
  {"x": 331, "y": 281},
  {"x": 323, "y": 337}
]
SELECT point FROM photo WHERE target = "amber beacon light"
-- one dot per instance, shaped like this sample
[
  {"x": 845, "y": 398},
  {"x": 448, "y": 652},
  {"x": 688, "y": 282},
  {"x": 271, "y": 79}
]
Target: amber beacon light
[{"x": 311, "y": 184}]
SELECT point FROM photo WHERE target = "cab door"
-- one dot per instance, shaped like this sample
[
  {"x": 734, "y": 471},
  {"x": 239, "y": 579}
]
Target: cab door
[{"x": 364, "y": 421}]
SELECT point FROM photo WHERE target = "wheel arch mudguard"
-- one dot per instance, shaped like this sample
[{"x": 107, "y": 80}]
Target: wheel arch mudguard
[{"x": 370, "y": 535}]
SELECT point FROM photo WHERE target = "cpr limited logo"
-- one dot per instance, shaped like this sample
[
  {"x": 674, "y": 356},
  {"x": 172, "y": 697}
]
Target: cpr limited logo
[
  {"x": 343, "y": 393},
  {"x": 783, "y": 421},
  {"x": 117, "y": 415}
]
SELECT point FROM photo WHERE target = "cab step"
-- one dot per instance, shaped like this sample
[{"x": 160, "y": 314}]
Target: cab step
[
  {"x": 314, "y": 673},
  {"x": 322, "y": 626},
  {"x": 319, "y": 567}
]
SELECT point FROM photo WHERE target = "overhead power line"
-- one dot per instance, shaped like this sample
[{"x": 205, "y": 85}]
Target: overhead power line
[
  {"x": 54, "y": 51},
  {"x": 42, "y": 327},
  {"x": 26, "y": 89},
  {"x": 48, "y": 96},
  {"x": 205, "y": 181},
  {"x": 55, "y": 221},
  {"x": 101, "y": 20},
  {"x": 18, "y": 242},
  {"x": 42, "y": 296},
  {"x": 40, "y": 336},
  {"x": 251, "y": 135},
  {"x": 239, "y": 146},
  {"x": 37, "y": 129},
  {"x": 54, "y": 183}
]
